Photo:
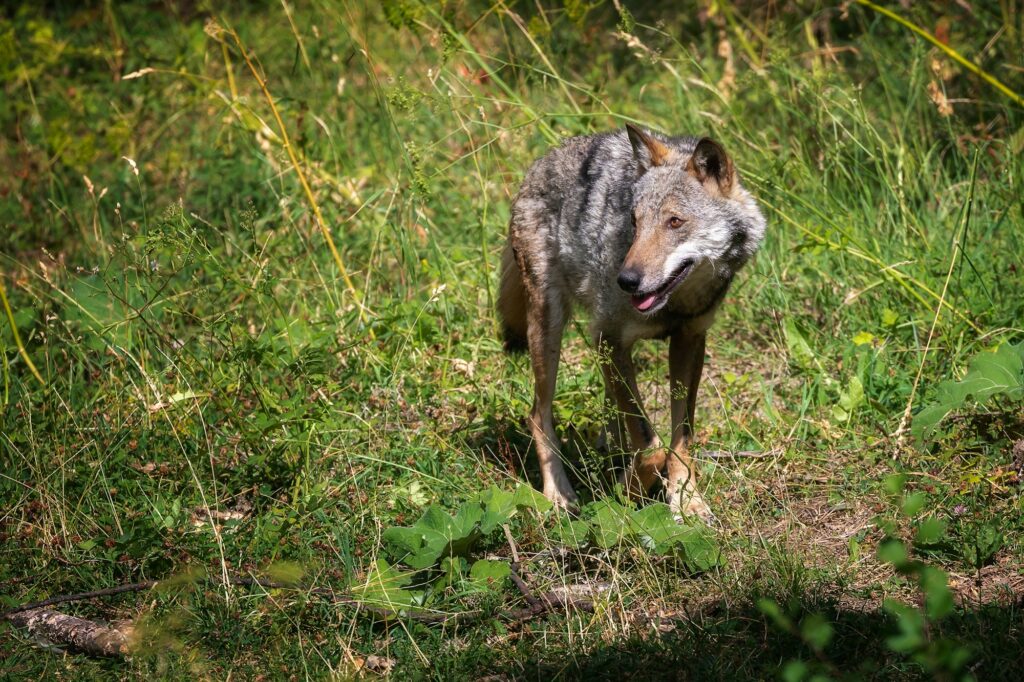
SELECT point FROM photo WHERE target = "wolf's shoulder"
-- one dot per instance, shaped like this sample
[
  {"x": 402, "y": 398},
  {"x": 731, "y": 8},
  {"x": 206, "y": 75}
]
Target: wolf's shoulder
[
  {"x": 578, "y": 160},
  {"x": 580, "y": 150}
]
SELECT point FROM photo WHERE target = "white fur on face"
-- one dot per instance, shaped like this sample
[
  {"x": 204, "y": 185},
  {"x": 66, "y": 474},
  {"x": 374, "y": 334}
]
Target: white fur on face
[
  {"x": 682, "y": 253},
  {"x": 709, "y": 244}
]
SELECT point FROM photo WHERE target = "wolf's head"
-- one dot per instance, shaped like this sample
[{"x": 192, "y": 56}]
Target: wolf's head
[{"x": 689, "y": 212}]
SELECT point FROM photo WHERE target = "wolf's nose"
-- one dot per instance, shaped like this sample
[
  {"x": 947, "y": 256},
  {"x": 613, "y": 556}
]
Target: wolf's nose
[{"x": 629, "y": 280}]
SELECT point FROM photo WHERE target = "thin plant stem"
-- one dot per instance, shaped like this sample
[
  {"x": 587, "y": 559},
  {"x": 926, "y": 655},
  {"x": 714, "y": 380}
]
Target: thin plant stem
[{"x": 17, "y": 337}]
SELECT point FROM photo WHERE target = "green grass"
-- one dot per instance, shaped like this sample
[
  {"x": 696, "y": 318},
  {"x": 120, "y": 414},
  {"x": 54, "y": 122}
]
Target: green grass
[{"x": 199, "y": 347}]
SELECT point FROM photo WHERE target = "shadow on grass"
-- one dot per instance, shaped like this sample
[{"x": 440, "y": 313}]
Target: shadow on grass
[
  {"x": 740, "y": 644},
  {"x": 508, "y": 446}
]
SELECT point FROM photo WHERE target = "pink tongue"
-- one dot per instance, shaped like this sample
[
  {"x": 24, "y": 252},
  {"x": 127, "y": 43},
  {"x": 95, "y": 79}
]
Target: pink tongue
[{"x": 643, "y": 303}]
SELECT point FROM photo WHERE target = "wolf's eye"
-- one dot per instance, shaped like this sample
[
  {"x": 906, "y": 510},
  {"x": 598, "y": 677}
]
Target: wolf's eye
[{"x": 675, "y": 222}]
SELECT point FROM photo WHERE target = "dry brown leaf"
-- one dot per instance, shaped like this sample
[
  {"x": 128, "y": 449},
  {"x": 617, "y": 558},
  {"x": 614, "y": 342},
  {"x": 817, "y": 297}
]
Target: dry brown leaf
[{"x": 938, "y": 97}]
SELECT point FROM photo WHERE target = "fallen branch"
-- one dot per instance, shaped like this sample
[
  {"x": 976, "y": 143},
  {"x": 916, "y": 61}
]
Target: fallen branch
[
  {"x": 94, "y": 639},
  {"x": 82, "y": 635}
]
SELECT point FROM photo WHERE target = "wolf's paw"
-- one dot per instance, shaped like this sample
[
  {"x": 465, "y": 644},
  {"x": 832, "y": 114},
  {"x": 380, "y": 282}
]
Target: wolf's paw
[
  {"x": 694, "y": 505},
  {"x": 563, "y": 497}
]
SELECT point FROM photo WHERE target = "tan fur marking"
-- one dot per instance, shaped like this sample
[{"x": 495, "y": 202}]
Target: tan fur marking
[
  {"x": 712, "y": 167},
  {"x": 649, "y": 249},
  {"x": 659, "y": 152}
]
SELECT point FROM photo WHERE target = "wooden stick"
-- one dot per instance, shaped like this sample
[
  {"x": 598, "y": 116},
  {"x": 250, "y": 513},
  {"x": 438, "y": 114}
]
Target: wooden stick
[{"x": 76, "y": 633}]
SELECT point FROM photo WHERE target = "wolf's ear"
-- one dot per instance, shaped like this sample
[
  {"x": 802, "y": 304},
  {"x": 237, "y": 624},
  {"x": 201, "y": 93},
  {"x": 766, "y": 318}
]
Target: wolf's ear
[
  {"x": 647, "y": 150},
  {"x": 712, "y": 167}
]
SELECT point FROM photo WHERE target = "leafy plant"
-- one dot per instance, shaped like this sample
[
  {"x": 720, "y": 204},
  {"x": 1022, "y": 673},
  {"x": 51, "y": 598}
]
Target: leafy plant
[
  {"x": 440, "y": 543},
  {"x": 918, "y": 636},
  {"x": 979, "y": 544},
  {"x": 917, "y": 625},
  {"x": 438, "y": 534},
  {"x": 999, "y": 374},
  {"x": 915, "y": 636},
  {"x": 608, "y": 523}
]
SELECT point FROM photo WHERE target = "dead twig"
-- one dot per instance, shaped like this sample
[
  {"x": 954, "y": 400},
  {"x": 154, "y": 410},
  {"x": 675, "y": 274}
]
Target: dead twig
[
  {"x": 523, "y": 587},
  {"x": 80, "y": 596},
  {"x": 747, "y": 454}
]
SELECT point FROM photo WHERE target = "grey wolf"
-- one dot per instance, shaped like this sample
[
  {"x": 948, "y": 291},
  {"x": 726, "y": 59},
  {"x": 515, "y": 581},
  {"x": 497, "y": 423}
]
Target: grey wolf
[{"x": 646, "y": 233}]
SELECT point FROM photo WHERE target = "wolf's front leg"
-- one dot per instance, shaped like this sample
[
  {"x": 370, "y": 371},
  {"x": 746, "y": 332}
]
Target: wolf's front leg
[
  {"x": 620, "y": 382},
  {"x": 686, "y": 363},
  {"x": 557, "y": 487},
  {"x": 546, "y": 318}
]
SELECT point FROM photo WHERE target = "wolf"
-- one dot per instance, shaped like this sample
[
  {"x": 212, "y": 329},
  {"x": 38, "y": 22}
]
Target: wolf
[{"x": 645, "y": 232}]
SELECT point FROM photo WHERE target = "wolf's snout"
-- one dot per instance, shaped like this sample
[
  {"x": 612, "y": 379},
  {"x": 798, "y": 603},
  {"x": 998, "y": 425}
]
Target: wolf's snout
[{"x": 629, "y": 280}]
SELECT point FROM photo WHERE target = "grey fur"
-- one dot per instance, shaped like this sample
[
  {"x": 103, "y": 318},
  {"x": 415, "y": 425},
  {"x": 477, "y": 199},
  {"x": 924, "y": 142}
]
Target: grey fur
[{"x": 572, "y": 229}]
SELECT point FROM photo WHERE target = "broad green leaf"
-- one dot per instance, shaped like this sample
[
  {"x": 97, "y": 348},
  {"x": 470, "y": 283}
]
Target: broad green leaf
[
  {"x": 893, "y": 552},
  {"x": 931, "y": 532},
  {"x": 894, "y": 483},
  {"x": 528, "y": 498},
  {"x": 795, "y": 671},
  {"x": 501, "y": 505},
  {"x": 913, "y": 503},
  {"x": 862, "y": 338},
  {"x": 989, "y": 374},
  {"x": 435, "y": 535},
  {"x": 486, "y": 572},
  {"x": 849, "y": 399},
  {"x": 799, "y": 350},
  {"x": 702, "y": 551},
  {"x": 453, "y": 569},
  {"x": 498, "y": 507},
  {"x": 771, "y": 609},
  {"x": 657, "y": 529},
  {"x": 609, "y": 524},
  {"x": 383, "y": 587},
  {"x": 926, "y": 420},
  {"x": 572, "y": 533},
  {"x": 464, "y": 529},
  {"x": 938, "y": 598},
  {"x": 980, "y": 546},
  {"x": 661, "y": 533},
  {"x": 911, "y": 625}
]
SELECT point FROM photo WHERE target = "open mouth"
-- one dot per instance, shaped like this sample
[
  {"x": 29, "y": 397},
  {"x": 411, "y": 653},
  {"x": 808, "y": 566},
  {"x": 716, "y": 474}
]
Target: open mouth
[{"x": 653, "y": 300}]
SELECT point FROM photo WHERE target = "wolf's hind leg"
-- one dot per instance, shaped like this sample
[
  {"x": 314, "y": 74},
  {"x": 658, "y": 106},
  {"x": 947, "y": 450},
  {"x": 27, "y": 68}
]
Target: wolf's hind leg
[
  {"x": 620, "y": 382},
  {"x": 546, "y": 317},
  {"x": 613, "y": 434},
  {"x": 686, "y": 364}
]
